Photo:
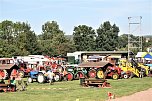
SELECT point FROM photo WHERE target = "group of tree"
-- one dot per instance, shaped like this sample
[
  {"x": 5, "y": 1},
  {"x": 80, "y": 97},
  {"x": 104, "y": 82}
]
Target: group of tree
[{"x": 18, "y": 39}]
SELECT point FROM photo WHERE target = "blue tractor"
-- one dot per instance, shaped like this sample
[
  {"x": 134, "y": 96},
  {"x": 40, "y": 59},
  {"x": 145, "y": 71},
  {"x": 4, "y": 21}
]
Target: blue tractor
[{"x": 42, "y": 76}]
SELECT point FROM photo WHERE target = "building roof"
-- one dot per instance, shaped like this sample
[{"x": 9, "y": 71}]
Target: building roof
[
  {"x": 6, "y": 66},
  {"x": 94, "y": 64},
  {"x": 102, "y": 52},
  {"x": 6, "y": 59},
  {"x": 106, "y": 52}
]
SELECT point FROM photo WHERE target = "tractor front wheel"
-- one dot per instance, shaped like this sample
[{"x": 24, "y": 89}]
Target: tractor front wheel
[
  {"x": 69, "y": 76},
  {"x": 125, "y": 76},
  {"x": 115, "y": 76},
  {"x": 57, "y": 77},
  {"x": 30, "y": 80}
]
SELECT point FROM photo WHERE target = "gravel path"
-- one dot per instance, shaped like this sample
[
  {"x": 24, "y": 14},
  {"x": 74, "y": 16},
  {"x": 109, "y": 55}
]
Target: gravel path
[{"x": 139, "y": 96}]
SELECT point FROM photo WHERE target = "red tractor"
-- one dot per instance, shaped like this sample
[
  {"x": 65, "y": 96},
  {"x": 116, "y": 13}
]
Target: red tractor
[
  {"x": 101, "y": 69},
  {"x": 24, "y": 70}
]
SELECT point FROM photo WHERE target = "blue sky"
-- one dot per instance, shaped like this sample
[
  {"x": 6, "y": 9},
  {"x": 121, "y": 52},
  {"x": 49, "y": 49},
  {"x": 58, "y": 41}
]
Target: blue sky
[{"x": 70, "y": 13}]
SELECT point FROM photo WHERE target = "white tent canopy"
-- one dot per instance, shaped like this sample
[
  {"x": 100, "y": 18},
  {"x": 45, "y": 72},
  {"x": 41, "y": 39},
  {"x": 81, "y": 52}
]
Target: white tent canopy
[{"x": 140, "y": 54}]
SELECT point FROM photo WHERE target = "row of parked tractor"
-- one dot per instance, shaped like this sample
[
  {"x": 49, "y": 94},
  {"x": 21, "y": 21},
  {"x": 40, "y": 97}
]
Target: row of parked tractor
[
  {"x": 124, "y": 69},
  {"x": 90, "y": 69},
  {"x": 99, "y": 70}
]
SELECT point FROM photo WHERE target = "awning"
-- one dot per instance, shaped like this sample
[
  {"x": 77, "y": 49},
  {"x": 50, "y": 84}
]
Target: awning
[
  {"x": 148, "y": 56},
  {"x": 6, "y": 66},
  {"x": 141, "y": 54}
]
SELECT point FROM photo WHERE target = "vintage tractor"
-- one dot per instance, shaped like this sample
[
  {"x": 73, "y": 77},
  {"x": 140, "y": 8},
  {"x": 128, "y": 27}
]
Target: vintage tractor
[
  {"x": 37, "y": 75},
  {"x": 58, "y": 72},
  {"x": 40, "y": 75},
  {"x": 24, "y": 70},
  {"x": 73, "y": 72},
  {"x": 133, "y": 68},
  {"x": 101, "y": 69},
  {"x": 111, "y": 71},
  {"x": 14, "y": 79}
]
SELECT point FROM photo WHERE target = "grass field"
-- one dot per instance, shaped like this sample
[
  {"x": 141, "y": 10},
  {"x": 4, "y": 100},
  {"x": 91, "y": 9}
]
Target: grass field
[{"x": 71, "y": 91}]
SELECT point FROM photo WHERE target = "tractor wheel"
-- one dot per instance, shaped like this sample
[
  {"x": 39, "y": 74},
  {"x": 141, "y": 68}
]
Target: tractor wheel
[
  {"x": 22, "y": 73},
  {"x": 100, "y": 74},
  {"x": 30, "y": 80},
  {"x": 125, "y": 76},
  {"x": 115, "y": 76},
  {"x": 40, "y": 78},
  {"x": 92, "y": 73},
  {"x": 57, "y": 77},
  {"x": 3, "y": 74},
  {"x": 69, "y": 76},
  {"x": 143, "y": 71},
  {"x": 80, "y": 74},
  {"x": 76, "y": 77}
]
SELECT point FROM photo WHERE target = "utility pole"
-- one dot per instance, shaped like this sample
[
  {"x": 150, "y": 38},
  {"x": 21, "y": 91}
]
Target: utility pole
[{"x": 134, "y": 28}]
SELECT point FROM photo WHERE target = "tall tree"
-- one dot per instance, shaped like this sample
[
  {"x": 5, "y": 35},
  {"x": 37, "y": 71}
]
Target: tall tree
[
  {"x": 6, "y": 28},
  {"x": 84, "y": 38},
  {"x": 18, "y": 38},
  {"x": 107, "y": 37},
  {"x": 50, "y": 29},
  {"x": 54, "y": 40}
]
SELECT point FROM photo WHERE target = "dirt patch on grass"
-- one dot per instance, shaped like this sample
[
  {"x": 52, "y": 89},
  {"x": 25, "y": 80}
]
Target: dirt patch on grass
[{"x": 139, "y": 96}]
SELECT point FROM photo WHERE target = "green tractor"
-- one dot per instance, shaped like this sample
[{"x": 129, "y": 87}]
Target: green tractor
[{"x": 73, "y": 72}]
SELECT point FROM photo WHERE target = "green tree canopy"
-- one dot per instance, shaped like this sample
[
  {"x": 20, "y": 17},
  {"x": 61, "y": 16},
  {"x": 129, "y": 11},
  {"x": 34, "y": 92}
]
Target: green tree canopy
[
  {"x": 84, "y": 38},
  {"x": 107, "y": 37},
  {"x": 57, "y": 43},
  {"x": 17, "y": 39}
]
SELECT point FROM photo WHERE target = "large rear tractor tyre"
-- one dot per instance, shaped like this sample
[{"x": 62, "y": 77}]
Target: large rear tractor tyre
[
  {"x": 3, "y": 74},
  {"x": 100, "y": 74},
  {"x": 92, "y": 73},
  {"x": 115, "y": 76},
  {"x": 40, "y": 78},
  {"x": 70, "y": 76}
]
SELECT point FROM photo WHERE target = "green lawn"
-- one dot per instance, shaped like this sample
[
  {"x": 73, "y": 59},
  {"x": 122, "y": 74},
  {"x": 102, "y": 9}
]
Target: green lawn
[{"x": 72, "y": 91}]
